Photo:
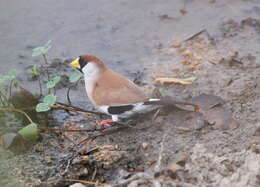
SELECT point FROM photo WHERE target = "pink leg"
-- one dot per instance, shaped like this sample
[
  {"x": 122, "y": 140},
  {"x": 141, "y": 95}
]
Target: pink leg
[{"x": 105, "y": 122}]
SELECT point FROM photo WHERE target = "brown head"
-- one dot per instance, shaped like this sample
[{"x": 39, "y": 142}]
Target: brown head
[{"x": 82, "y": 61}]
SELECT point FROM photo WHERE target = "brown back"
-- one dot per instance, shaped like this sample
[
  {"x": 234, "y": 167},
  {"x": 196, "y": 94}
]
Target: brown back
[{"x": 113, "y": 89}]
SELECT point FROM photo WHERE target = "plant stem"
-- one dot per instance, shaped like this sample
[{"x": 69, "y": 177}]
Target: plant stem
[
  {"x": 1, "y": 101},
  {"x": 46, "y": 69},
  {"x": 68, "y": 95},
  {"x": 7, "y": 109},
  {"x": 10, "y": 88},
  {"x": 5, "y": 100},
  {"x": 45, "y": 59},
  {"x": 40, "y": 85}
]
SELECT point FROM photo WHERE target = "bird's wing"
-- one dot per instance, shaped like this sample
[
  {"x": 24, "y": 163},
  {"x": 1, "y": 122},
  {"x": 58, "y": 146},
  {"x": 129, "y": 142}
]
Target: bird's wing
[{"x": 112, "y": 89}]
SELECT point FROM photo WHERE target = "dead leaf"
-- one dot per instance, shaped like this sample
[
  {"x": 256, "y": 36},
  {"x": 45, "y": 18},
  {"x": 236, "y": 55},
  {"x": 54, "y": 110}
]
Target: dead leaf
[
  {"x": 171, "y": 80},
  {"x": 14, "y": 142},
  {"x": 186, "y": 62},
  {"x": 183, "y": 11},
  {"x": 182, "y": 120},
  {"x": 165, "y": 16},
  {"x": 176, "y": 44},
  {"x": 214, "y": 112}
]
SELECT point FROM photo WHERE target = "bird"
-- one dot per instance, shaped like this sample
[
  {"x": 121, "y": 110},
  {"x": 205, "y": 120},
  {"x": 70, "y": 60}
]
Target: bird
[{"x": 112, "y": 93}]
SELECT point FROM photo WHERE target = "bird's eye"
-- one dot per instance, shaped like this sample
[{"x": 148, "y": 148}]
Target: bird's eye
[{"x": 82, "y": 62}]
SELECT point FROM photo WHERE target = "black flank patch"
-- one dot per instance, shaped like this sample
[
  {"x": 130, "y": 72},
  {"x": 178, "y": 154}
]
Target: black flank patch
[
  {"x": 147, "y": 103},
  {"x": 119, "y": 109}
]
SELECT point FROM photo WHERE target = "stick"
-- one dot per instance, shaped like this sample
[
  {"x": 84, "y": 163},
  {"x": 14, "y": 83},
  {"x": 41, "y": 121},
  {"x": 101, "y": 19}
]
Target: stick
[
  {"x": 64, "y": 106},
  {"x": 196, "y": 34},
  {"x": 70, "y": 180},
  {"x": 70, "y": 130},
  {"x": 68, "y": 95},
  {"x": 16, "y": 110}
]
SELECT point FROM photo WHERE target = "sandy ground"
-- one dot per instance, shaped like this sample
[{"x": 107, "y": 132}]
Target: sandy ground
[{"x": 156, "y": 37}]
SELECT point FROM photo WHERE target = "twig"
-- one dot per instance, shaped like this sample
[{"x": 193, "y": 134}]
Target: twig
[
  {"x": 69, "y": 161},
  {"x": 70, "y": 130},
  {"x": 68, "y": 95},
  {"x": 64, "y": 106},
  {"x": 196, "y": 34},
  {"x": 156, "y": 114},
  {"x": 70, "y": 180},
  {"x": 94, "y": 173},
  {"x": 4, "y": 109}
]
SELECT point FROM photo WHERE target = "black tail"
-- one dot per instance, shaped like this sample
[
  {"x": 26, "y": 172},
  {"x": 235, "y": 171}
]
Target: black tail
[{"x": 170, "y": 102}]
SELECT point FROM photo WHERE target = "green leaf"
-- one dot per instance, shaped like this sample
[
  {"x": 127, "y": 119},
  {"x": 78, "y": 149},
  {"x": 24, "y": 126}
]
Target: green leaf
[
  {"x": 75, "y": 76},
  {"x": 47, "y": 47},
  {"x": 52, "y": 83},
  {"x": 42, "y": 49},
  {"x": 30, "y": 132},
  {"x": 190, "y": 79},
  {"x": 48, "y": 43},
  {"x": 42, "y": 107},
  {"x": 56, "y": 79},
  {"x": 34, "y": 71},
  {"x": 1, "y": 79},
  {"x": 49, "y": 99},
  {"x": 10, "y": 75},
  {"x": 37, "y": 51}
]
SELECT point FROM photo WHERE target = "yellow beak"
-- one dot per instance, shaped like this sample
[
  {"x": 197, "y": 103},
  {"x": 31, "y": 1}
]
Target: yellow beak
[{"x": 75, "y": 63}]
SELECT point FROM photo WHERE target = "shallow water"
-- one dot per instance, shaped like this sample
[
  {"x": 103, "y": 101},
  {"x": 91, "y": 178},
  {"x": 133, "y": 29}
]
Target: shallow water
[{"x": 121, "y": 32}]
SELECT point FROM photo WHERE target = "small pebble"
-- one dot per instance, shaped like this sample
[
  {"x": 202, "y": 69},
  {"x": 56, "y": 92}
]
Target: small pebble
[
  {"x": 84, "y": 159},
  {"x": 48, "y": 159},
  {"x": 233, "y": 54},
  {"x": 77, "y": 185},
  {"x": 174, "y": 167},
  {"x": 187, "y": 53},
  {"x": 257, "y": 130},
  {"x": 145, "y": 145},
  {"x": 176, "y": 44},
  {"x": 197, "y": 57},
  {"x": 256, "y": 148}
]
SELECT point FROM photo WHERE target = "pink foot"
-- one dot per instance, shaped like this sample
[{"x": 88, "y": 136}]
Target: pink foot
[{"x": 105, "y": 122}]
